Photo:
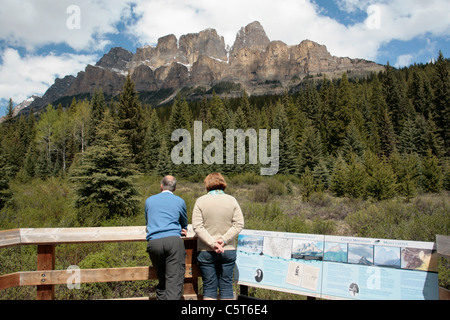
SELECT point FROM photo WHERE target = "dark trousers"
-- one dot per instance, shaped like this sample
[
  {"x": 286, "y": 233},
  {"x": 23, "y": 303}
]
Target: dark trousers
[{"x": 168, "y": 257}]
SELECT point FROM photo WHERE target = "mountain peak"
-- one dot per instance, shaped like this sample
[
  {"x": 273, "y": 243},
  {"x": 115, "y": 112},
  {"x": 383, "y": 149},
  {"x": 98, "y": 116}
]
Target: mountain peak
[
  {"x": 255, "y": 63},
  {"x": 116, "y": 59},
  {"x": 252, "y": 35}
]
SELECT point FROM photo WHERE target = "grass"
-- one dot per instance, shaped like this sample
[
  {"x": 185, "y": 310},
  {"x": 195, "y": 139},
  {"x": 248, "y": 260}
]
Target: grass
[{"x": 268, "y": 203}]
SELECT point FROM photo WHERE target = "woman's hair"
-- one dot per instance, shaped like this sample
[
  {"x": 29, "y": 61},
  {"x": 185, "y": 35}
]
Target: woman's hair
[{"x": 215, "y": 181}]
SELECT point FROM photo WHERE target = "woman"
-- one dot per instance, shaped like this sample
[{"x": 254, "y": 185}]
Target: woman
[{"x": 217, "y": 220}]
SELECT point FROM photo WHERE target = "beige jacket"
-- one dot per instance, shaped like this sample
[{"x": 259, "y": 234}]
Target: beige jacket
[{"x": 217, "y": 216}]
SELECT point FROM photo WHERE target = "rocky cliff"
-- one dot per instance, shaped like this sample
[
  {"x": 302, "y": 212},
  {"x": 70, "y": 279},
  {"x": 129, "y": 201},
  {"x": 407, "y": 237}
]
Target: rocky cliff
[{"x": 203, "y": 60}]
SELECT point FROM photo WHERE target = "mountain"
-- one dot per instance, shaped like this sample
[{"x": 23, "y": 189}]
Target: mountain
[{"x": 203, "y": 61}]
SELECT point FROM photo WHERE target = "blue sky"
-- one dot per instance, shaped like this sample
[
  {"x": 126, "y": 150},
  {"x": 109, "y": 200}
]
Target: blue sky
[{"x": 41, "y": 40}]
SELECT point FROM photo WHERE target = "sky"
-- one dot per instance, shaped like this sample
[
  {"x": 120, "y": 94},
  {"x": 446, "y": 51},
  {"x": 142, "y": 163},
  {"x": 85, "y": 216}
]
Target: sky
[{"x": 41, "y": 40}]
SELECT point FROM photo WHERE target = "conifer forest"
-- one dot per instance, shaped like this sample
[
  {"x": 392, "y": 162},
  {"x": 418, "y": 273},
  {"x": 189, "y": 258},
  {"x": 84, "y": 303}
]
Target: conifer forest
[{"x": 365, "y": 157}]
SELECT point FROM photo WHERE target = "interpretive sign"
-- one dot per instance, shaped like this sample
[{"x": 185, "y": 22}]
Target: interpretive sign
[{"x": 335, "y": 267}]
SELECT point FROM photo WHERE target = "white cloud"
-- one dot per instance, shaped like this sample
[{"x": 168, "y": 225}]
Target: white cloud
[
  {"x": 35, "y": 23},
  {"x": 21, "y": 77},
  {"x": 404, "y": 60}
]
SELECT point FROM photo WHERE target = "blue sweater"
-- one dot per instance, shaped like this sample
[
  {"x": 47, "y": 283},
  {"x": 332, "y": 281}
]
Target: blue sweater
[{"x": 165, "y": 216}]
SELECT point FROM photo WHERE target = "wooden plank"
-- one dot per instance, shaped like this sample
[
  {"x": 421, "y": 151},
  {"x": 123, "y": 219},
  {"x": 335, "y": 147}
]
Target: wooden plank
[
  {"x": 54, "y": 277},
  {"x": 86, "y": 235},
  {"x": 10, "y": 280},
  {"x": 9, "y": 238},
  {"x": 45, "y": 263},
  {"x": 82, "y": 235},
  {"x": 443, "y": 246}
]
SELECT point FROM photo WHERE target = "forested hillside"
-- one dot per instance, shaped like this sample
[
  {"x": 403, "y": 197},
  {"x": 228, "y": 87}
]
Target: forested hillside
[
  {"x": 379, "y": 137},
  {"x": 358, "y": 157}
]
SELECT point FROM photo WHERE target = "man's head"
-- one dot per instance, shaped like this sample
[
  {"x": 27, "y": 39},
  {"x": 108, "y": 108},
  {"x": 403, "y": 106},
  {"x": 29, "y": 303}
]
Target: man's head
[{"x": 169, "y": 183}]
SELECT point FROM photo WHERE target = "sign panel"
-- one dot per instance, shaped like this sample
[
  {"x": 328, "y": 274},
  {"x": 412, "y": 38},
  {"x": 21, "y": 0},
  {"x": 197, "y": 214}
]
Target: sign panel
[{"x": 335, "y": 267}]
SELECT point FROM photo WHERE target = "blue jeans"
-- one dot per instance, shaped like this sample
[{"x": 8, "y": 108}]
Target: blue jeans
[{"x": 217, "y": 273}]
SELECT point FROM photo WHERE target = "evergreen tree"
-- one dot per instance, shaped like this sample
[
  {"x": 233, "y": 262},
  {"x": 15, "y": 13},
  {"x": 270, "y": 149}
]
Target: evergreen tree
[
  {"x": 153, "y": 140},
  {"x": 287, "y": 152},
  {"x": 164, "y": 166},
  {"x": 105, "y": 176},
  {"x": 326, "y": 111},
  {"x": 310, "y": 152},
  {"x": 98, "y": 107},
  {"x": 345, "y": 109},
  {"x": 338, "y": 179},
  {"x": 353, "y": 142},
  {"x": 406, "y": 138},
  {"x": 416, "y": 93},
  {"x": 381, "y": 180},
  {"x": 407, "y": 170},
  {"x": 308, "y": 185},
  {"x": 131, "y": 120},
  {"x": 9, "y": 118},
  {"x": 432, "y": 175},
  {"x": 4, "y": 181},
  {"x": 355, "y": 179},
  {"x": 441, "y": 85}
]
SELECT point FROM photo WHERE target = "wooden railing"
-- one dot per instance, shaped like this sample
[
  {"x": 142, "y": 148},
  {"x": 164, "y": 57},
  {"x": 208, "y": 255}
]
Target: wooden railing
[{"x": 46, "y": 277}]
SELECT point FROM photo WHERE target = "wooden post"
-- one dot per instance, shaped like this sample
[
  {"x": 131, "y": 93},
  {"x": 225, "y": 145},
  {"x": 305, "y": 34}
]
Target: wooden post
[
  {"x": 45, "y": 262},
  {"x": 191, "y": 284},
  {"x": 443, "y": 250}
]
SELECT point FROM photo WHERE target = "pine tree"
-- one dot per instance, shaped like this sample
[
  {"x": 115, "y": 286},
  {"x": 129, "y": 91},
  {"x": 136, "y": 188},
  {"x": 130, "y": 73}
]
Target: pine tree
[
  {"x": 9, "y": 114},
  {"x": 432, "y": 175},
  {"x": 164, "y": 166},
  {"x": 131, "y": 121},
  {"x": 98, "y": 107},
  {"x": 308, "y": 185},
  {"x": 105, "y": 175},
  {"x": 345, "y": 109},
  {"x": 353, "y": 142},
  {"x": 5, "y": 194},
  {"x": 338, "y": 179},
  {"x": 310, "y": 152},
  {"x": 152, "y": 143},
  {"x": 288, "y": 163},
  {"x": 441, "y": 85},
  {"x": 381, "y": 179},
  {"x": 407, "y": 170},
  {"x": 355, "y": 179}
]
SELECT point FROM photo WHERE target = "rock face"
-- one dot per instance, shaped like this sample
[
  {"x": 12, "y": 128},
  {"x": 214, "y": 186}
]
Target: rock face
[{"x": 202, "y": 59}]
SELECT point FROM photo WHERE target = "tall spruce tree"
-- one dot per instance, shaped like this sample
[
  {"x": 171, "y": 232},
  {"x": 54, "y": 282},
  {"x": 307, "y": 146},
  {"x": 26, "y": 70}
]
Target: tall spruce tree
[
  {"x": 153, "y": 140},
  {"x": 441, "y": 83},
  {"x": 105, "y": 175},
  {"x": 345, "y": 109},
  {"x": 131, "y": 120},
  {"x": 310, "y": 152},
  {"x": 288, "y": 163},
  {"x": 98, "y": 107}
]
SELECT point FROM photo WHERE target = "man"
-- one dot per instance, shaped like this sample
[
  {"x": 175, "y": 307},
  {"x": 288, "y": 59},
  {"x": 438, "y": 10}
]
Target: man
[{"x": 166, "y": 220}]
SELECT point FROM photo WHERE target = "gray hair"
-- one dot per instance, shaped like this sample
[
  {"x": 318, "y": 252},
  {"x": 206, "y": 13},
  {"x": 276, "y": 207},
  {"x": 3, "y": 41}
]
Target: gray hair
[{"x": 169, "y": 183}]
